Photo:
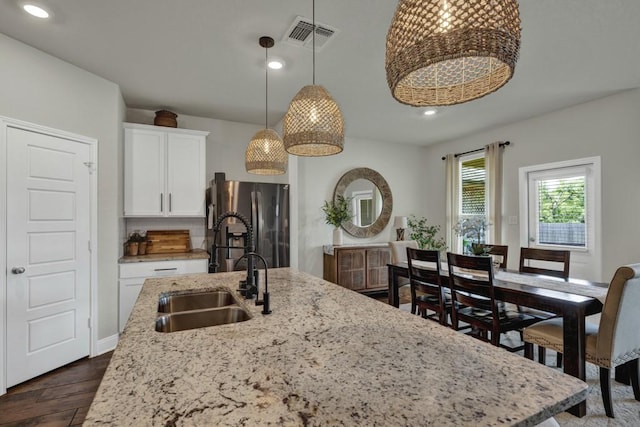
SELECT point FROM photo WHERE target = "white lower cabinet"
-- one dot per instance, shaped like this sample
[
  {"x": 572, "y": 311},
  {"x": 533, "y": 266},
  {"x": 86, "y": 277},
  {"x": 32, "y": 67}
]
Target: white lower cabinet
[{"x": 133, "y": 275}]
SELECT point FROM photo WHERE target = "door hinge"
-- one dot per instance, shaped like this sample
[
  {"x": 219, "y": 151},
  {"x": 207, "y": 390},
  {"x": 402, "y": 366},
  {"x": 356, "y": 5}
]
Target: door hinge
[
  {"x": 89, "y": 245},
  {"x": 91, "y": 166},
  {"x": 89, "y": 323}
]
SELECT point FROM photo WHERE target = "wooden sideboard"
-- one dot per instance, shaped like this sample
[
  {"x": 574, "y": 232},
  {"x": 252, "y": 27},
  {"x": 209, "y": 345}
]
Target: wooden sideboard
[{"x": 359, "y": 268}]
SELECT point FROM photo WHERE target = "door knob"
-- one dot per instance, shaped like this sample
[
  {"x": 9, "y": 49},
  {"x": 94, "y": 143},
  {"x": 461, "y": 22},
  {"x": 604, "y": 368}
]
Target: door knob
[{"x": 17, "y": 270}]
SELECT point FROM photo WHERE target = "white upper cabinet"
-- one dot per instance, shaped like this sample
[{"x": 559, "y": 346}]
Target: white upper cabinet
[{"x": 164, "y": 171}]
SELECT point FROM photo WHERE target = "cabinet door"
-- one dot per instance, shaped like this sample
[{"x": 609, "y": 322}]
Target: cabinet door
[
  {"x": 186, "y": 175},
  {"x": 144, "y": 173},
  {"x": 377, "y": 270},
  {"x": 351, "y": 268}
]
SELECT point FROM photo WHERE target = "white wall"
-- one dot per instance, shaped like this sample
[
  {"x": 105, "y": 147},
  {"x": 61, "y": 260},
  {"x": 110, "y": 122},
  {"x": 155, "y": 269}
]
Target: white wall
[
  {"x": 608, "y": 127},
  {"x": 401, "y": 167},
  {"x": 41, "y": 89}
]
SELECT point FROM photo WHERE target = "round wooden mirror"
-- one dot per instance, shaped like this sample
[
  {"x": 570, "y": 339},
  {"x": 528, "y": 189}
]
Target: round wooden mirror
[{"x": 370, "y": 198}]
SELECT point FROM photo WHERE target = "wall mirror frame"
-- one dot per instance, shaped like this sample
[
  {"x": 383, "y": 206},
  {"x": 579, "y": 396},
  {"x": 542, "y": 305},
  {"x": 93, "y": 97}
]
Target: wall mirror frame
[{"x": 385, "y": 192}]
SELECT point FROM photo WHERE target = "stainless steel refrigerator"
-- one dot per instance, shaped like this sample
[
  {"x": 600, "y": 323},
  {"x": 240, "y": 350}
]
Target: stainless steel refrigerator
[{"x": 265, "y": 206}]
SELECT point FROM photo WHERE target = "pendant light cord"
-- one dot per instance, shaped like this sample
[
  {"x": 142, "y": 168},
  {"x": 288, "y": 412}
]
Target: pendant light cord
[
  {"x": 266, "y": 88},
  {"x": 313, "y": 38}
]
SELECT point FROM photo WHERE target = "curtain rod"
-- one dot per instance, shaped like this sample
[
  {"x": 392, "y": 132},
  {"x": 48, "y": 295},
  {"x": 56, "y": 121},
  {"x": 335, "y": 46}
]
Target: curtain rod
[{"x": 502, "y": 144}]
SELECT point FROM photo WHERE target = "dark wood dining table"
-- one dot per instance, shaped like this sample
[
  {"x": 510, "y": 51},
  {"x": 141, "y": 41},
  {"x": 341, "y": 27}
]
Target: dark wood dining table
[{"x": 572, "y": 307}]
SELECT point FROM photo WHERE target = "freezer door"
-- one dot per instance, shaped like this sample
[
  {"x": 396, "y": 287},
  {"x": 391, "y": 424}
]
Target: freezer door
[{"x": 270, "y": 219}]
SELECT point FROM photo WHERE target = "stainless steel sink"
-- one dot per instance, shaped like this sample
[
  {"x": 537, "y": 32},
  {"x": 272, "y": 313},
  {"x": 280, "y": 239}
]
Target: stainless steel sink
[
  {"x": 197, "y": 300},
  {"x": 181, "y": 321}
]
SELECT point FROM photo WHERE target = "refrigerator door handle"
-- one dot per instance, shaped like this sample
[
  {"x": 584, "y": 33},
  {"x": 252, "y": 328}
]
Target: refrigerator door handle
[{"x": 254, "y": 219}]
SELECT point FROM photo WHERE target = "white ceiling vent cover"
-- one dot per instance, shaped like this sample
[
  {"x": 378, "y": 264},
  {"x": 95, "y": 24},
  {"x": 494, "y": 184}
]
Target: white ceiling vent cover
[{"x": 299, "y": 33}]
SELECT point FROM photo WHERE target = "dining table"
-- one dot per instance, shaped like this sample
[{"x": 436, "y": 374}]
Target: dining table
[{"x": 573, "y": 299}]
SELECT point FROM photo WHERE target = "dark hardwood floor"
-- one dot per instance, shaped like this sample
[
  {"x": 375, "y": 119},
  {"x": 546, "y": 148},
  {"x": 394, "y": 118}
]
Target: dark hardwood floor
[{"x": 58, "y": 398}]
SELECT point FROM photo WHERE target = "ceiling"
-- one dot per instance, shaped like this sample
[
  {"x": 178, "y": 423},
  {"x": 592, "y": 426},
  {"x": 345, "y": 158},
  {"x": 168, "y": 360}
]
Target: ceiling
[{"x": 202, "y": 58}]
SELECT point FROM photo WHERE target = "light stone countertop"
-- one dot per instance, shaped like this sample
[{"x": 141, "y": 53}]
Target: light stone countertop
[
  {"x": 194, "y": 254},
  {"x": 325, "y": 356}
]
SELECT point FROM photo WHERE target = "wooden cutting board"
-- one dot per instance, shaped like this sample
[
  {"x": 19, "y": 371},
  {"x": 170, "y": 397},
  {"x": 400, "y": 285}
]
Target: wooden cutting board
[{"x": 168, "y": 241}]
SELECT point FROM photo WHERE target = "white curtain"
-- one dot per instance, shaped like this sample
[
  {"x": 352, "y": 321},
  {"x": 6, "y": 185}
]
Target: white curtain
[
  {"x": 493, "y": 193},
  {"x": 452, "y": 180}
]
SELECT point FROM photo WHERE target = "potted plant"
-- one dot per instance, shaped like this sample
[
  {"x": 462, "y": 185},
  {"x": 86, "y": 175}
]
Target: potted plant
[
  {"x": 473, "y": 230},
  {"x": 335, "y": 213},
  {"x": 136, "y": 242},
  {"x": 425, "y": 235}
]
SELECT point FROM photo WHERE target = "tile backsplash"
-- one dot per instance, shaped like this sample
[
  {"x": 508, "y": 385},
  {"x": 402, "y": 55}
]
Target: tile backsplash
[{"x": 196, "y": 227}]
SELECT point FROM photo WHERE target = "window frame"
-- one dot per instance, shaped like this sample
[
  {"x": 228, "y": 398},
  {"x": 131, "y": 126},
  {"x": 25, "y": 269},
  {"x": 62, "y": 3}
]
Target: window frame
[{"x": 460, "y": 215}]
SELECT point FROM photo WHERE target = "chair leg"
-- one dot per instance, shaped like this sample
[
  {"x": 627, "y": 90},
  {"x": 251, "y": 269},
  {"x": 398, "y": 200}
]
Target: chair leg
[
  {"x": 528, "y": 350},
  {"x": 542, "y": 355},
  {"x": 605, "y": 388},
  {"x": 633, "y": 373},
  {"x": 559, "y": 360}
]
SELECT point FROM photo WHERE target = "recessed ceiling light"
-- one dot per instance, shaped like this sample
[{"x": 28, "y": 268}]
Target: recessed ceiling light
[
  {"x": 36, "y": 11},
  {"x": 275, "y": 64},
  {"x": 429, "y": 112}
]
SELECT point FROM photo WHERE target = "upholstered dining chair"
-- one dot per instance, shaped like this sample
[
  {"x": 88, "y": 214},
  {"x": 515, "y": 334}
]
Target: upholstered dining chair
[
  {"x": 427, "y": 293},
  {"x": 398, "y": 255},
  {"x": 474, "y": 302},
  {"x": 552, "y": 258},
  {"x": 614, "y": 341}
]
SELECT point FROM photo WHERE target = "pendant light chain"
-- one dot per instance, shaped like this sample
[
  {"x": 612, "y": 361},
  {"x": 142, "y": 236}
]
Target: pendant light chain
[
  {"x": 313, "y": 39},
  {"x": 266, "y": 88}
]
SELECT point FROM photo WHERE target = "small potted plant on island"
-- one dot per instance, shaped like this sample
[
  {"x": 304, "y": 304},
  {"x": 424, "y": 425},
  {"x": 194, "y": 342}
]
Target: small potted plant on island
[
  {"x": 335, "y": 213},
  {"x": 425, "y": 235}
]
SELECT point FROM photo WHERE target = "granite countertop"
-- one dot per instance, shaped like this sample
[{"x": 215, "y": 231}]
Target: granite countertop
[
  {"x": 325, "y": 356},
  {"x": 194, "y": 254}
]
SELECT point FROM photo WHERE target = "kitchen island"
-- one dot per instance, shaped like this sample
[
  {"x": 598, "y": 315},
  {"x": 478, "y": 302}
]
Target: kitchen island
[{"x": 325, "y": 356}]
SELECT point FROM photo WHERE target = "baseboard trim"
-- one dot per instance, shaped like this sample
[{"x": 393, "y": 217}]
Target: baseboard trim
[{"x": 107, "y": 344}]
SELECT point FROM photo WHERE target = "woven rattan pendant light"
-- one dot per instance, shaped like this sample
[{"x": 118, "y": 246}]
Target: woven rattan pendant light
[
  {"x": 265, "y": 153},
  {"x": 313, "y": 125},
  {"x": 445, "y": 52}
]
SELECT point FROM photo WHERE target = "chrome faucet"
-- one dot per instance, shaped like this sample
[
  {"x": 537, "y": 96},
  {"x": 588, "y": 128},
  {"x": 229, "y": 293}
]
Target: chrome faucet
[
  {"x": 248, "y": 288},
  {"x": 265, "y": 295}
]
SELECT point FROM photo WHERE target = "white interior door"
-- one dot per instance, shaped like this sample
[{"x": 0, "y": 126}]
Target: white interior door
[{"x": 48, "y": 253}]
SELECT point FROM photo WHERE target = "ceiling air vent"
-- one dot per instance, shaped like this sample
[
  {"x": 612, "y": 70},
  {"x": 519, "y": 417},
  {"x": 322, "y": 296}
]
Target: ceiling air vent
[{"x": 299, "y": 33}]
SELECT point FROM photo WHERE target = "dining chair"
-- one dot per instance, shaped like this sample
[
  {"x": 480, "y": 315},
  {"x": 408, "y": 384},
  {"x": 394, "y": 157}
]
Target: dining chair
[
  {"x": 427, "y": 292},
  {"x": 551, "y": 257},
  {"x": 474, "y": 302},
  {"x": 614, "y": 341},
  {"x": 399, "y": 255},
  {"x": 501, "y": 251}
]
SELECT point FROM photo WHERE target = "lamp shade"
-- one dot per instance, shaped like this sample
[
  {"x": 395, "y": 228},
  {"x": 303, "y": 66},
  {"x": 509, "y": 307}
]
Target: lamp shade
[
  {"x": 265, "y": 154},
  {"x": 313, "y": 124},
  {"x": 445, "y": 52},
  {"x": 400, "y": 222}
]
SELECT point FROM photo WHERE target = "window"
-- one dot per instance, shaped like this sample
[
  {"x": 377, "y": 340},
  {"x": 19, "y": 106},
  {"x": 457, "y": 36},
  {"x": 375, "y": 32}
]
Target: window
[
  {"x": 560, "y": 209},
  {"x": 472, "y": 196}
]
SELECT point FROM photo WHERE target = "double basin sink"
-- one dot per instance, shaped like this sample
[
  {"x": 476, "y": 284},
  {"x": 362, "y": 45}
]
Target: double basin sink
[{"x": 184, "y": 310}]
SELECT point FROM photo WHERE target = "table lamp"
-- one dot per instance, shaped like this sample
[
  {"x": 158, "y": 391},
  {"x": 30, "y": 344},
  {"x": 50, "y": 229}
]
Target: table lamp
[{"x": 400, "y": 223}]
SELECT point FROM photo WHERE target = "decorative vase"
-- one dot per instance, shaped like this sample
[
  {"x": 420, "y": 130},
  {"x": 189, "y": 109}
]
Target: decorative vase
[
  {"x": 142, "y": 248},
  {"x": 132, "y": 248},
  {"x": 337, "y": 236}
]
